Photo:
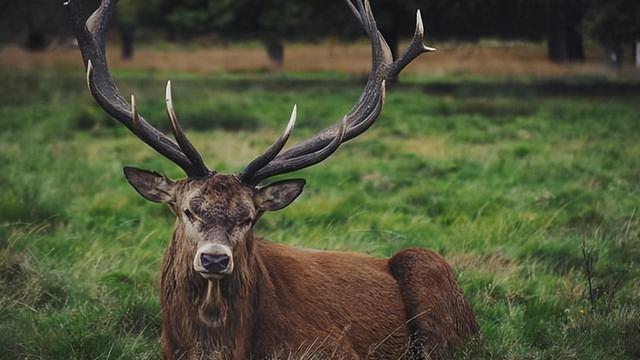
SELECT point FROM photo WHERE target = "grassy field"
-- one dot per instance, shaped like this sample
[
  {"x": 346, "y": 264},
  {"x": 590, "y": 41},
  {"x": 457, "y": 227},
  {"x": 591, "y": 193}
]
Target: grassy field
[{"x": 528, "y": 188}]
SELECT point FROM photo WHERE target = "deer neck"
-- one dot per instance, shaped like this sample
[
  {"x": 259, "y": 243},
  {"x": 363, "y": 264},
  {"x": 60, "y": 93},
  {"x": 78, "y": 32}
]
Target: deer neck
[
  {"x": 217, "y": 314},
  {"x": 227, "y": 301}
]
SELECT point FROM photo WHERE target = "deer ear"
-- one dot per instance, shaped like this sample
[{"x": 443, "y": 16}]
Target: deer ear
[
  {"x": 278, "y": 195},
  {"x": 151, "y": 185}
]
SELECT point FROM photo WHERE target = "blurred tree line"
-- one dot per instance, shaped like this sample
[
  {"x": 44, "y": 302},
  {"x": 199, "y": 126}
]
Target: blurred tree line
[{"x": 563, "y": 24}]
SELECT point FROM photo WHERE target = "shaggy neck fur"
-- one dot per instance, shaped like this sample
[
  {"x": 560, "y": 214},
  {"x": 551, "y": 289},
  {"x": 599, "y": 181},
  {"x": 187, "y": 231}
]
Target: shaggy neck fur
[{"x": 207, "y": 317}]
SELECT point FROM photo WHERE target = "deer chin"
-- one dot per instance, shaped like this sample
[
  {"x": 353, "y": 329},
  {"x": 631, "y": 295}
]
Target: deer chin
[{"x": 213, "y": 310}]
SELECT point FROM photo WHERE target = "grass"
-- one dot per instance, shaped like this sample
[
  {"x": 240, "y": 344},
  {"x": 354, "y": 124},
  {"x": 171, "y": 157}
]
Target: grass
[{"x": 532, "y": 196}]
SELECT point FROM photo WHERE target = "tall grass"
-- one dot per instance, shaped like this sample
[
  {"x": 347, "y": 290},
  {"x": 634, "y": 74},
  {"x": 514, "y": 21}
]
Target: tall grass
[{"x": 519, "y": 190}]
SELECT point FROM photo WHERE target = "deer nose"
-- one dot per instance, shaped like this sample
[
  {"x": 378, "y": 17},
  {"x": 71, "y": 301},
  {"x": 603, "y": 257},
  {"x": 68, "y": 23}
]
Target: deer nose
[{"x": 214, "y": 263}]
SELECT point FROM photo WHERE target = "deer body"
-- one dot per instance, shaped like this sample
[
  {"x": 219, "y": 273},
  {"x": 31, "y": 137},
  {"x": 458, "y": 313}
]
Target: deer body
[
  {"x": 297, "y": 300},
  {"x": 226, "y": 294},
  {"x": 341, "y": 305}
]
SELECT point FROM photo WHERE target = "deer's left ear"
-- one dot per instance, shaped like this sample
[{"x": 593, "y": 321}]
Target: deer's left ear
[{"x": 278, "y": 195}]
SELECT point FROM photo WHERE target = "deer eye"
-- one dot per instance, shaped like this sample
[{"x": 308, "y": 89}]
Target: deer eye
[
  {"x": 248, "y": 222},
  {"x": 189, "y": 215}
]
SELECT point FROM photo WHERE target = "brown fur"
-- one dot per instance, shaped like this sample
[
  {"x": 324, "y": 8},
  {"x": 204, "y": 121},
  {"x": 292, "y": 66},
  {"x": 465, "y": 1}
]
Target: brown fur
[{"x": 280, "y": 300}]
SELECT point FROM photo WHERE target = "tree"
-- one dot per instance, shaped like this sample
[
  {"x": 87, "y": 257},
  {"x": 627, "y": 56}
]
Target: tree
[
  {"x": 187, "y": 18},
  {"x": 35, "y": 29},
  {"x": 127, "y": 19},
  {"x": 614, "y": 23},
  {"x": 564, "y": 36}
]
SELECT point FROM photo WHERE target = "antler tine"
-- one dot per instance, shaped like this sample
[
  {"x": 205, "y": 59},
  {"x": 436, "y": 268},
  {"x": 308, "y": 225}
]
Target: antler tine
[
  {"x": 416, "y": 47},
  {"x": 187, "y": 147},
  {"x": 356, "y": 8},
  {"x": 286, "y": 165},
  {"x": 91, "y": 41},
  {"x": 134, "y": 112},
  {"x": 260, "y": 162},
  {"x": 360, "y": 118},
  {"x": 283, "y": 166}
]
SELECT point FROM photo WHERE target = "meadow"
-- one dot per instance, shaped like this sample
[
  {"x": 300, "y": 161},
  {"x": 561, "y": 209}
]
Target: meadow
[{"x": 528, "y": 187}]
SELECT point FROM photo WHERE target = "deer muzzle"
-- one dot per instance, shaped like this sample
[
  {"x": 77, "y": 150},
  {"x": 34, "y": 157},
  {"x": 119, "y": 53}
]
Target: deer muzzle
[{"x": 213, "y": 261}]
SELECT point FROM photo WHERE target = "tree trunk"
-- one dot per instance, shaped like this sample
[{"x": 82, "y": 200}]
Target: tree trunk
[
  {"x": 564, "y": 39},
  {"x": 126, "y": 39},
  {"x": 573, "y": 21},
  {"x": 556, "y": 32},
  {"x": 36, "y": 41},
  {"x": 275, "y": 51},
  {"x": 616, "y": 55}
]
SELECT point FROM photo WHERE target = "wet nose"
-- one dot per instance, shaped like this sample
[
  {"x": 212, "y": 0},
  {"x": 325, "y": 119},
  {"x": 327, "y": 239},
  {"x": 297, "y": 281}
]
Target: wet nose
[{"x": 214, "y": 263}]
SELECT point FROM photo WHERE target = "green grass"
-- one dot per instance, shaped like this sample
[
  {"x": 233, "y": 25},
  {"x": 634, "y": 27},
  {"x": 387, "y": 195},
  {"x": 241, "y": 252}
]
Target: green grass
[{"x": 508, "y": 182}]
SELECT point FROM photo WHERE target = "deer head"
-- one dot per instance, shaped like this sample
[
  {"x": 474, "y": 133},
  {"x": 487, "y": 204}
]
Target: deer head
[{"x": 216, "y": 212}]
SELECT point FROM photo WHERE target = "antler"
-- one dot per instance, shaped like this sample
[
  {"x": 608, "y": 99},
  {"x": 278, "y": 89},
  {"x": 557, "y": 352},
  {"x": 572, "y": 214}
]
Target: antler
[
  {"x": 356, "y": 121},
  {"x": 91, "y": 40}
]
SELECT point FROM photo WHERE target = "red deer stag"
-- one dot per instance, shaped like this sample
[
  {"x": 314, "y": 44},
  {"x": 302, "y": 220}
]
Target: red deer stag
[{"x": 226, "y": 293}]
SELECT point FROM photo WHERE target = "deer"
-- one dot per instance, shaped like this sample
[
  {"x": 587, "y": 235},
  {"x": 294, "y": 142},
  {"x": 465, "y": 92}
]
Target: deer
[{"x": 227, "y": 293}]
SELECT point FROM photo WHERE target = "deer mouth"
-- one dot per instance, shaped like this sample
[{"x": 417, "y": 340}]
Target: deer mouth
[
  {"x": 212, "y": 276},
  {"x": 213, "y": 261}
]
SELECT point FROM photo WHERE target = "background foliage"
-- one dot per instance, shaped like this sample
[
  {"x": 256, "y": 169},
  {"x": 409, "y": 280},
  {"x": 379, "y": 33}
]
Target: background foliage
[{"x": 564, "y": 24}]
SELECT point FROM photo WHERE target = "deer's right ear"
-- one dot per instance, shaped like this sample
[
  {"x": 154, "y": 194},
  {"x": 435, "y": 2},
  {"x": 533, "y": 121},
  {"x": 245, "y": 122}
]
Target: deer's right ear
[{"x": 151, "y": 185}]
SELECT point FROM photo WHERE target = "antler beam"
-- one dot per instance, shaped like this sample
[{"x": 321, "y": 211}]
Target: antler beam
[
  {"x": 91, "y": 40},
  {"x": 361, "y": 116}
]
